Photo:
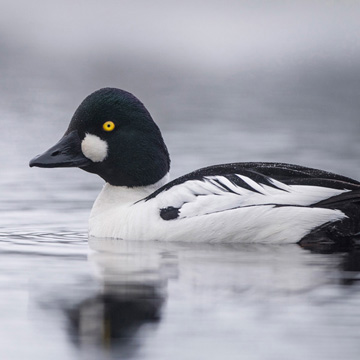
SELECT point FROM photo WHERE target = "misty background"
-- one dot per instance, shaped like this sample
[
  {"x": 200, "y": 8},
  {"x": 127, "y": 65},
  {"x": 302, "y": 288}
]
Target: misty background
[{"x": 238, "y": 80}]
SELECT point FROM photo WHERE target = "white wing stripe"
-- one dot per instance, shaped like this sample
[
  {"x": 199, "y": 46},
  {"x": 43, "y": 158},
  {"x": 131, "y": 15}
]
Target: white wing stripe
[
  {"x": 256, "y": 186},
  {"x": 279, "y": 184},
  {"x": 226, "y": 182}
]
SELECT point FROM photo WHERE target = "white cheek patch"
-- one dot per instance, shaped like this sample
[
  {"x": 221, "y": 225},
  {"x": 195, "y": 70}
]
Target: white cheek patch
[{"x": 94, "y": 148}]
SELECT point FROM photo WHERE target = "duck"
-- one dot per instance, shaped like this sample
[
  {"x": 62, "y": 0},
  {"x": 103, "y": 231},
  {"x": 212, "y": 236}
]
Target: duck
[{"x": 113, "y": 135}]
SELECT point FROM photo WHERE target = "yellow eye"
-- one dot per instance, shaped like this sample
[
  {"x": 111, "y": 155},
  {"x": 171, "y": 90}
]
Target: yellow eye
[{"x": 109, "y": 126}]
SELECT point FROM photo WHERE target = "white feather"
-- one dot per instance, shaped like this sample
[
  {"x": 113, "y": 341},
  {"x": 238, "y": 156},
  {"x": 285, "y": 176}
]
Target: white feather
[
  {"x": 94, "y": 148},
  {"x": 209, "y": 213}
]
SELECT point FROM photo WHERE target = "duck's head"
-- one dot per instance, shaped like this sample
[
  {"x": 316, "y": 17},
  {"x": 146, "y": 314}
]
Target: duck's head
[{"x": 113, "y": 135}]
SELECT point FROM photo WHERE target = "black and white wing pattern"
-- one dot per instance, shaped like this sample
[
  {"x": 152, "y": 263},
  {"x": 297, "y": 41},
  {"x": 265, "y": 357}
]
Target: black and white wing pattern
[{"x": 244, "y": 185}]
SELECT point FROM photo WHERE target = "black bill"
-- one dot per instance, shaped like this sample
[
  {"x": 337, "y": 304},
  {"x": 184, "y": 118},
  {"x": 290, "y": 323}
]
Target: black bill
[{"x": 66, "y": 153}]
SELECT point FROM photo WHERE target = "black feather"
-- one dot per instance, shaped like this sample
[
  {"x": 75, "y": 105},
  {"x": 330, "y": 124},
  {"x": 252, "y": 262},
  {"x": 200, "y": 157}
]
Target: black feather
[{"x": 169, "y": 213}]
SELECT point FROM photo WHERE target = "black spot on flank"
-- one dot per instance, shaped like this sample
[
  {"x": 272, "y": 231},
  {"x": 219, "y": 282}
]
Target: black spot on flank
[{"x": 169, "y": 213}]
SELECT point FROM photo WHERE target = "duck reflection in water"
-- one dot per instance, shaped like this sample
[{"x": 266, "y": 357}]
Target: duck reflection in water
[
  {"x": 133, "y": 291},
  {"x": 351, "y": 267},
  {"x": 350, "y": 264},
  {"x": 134, "y": 277},
  {"x": 113, "y": 319}
]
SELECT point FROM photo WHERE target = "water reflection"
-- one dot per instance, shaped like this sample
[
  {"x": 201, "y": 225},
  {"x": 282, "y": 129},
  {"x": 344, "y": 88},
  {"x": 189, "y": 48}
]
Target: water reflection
[
  {"x": 139, "y": 300},
  {"x": 133, "y": 279},
  {"x": 203, "y": 282},
  {"x": 351, "y": 267},
  {"x": 113, "y": 320}
]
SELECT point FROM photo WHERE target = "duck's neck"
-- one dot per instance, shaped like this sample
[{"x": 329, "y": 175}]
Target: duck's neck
[{"x": 116, "y": 196}]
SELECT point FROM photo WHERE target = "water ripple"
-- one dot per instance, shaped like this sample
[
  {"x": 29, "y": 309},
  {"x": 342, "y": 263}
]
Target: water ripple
[{"x": 61, "y": 242}]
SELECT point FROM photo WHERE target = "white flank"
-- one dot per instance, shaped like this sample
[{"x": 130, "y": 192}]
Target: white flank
[
  {"x": 94, "y": 148},
  {"x": 209, "y": 212}
]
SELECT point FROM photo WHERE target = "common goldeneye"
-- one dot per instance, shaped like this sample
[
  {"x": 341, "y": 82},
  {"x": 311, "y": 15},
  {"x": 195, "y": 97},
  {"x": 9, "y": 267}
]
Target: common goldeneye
[{"x": 113, "y": 135}]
